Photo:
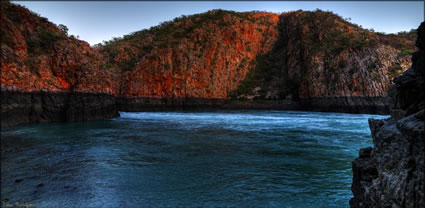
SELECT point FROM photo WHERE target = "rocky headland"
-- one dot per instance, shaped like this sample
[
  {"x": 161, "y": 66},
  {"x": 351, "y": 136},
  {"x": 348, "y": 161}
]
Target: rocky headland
[
  {"x": 392, "y": 173},
  {"x": 219, "y": 59}
]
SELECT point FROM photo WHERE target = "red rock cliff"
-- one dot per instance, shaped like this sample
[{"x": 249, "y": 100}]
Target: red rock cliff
[
  {"x": 205, "y": 55},
  {"x": 36, "y": 55},
  {"x": 218, "y": 54}
]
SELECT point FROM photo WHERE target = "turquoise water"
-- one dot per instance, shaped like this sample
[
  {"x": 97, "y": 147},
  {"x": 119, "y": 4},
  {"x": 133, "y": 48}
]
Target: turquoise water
[{"x": 186, "y": 159}]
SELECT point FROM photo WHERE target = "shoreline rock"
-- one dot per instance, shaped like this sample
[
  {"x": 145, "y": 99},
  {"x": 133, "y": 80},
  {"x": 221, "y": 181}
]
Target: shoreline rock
[
  {"x": 23, "y": 107},
  {"x": 392, "y": 173},
  {"x": 358, "y": 105}
]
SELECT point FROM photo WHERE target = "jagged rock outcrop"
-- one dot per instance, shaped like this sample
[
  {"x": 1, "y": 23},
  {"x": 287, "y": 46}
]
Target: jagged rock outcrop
[{"x": 392, "y": 173}]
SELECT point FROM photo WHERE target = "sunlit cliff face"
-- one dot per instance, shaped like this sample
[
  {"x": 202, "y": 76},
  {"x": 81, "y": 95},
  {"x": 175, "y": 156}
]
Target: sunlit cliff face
[
  {"x": 38, "y": 55},
  {"x": 205, "y": 55},
  {"x": 218, "y": 54}
]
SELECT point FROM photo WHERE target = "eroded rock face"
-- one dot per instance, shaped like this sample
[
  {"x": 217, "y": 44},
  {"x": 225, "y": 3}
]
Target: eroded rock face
[{"x": 392, "y": 173}]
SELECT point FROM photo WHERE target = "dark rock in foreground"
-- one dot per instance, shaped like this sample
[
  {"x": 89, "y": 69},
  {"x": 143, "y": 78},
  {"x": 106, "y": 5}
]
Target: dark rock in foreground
[{"x": 392, "y": 173}]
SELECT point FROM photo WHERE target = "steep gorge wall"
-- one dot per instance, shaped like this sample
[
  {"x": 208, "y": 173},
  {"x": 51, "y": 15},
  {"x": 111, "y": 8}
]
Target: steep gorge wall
[
  {"x": 217, "y": 59},
  {"x": 201, "y": 56},
  {"x": 318, "y": 55},
  {"x": 315, "y": 59},
  {"x": 392, "y": 172},
  {"x": 221, "y": 54}
]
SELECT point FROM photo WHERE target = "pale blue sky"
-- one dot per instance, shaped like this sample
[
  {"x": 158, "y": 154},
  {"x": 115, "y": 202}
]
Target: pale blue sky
[{"x": 97, "y": 21}]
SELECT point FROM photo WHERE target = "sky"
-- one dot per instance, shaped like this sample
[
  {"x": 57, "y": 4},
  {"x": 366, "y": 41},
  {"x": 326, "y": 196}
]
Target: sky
[{"x": 96, "y": 21}]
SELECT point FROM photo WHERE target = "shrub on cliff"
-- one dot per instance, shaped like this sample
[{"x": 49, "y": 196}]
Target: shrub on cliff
[
  {"x": 405, "y": 52},
  {"x": 394, "y": 71},
  {"x": 49, "y": 38},
  {"x": 43, "y": 43},
  {"x": 63, "y": 28}
]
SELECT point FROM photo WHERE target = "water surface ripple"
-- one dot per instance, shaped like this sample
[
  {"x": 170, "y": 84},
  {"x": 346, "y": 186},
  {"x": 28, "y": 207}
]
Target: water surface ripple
[{"x": 186, "y": 159}]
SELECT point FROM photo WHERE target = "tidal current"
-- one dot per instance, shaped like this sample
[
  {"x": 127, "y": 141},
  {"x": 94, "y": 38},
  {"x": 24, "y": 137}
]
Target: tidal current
[{"x": 185, "y": 159}]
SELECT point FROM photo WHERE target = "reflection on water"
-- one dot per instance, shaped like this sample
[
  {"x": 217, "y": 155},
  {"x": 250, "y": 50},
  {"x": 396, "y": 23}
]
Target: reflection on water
[{"x": 186, "y": 159}]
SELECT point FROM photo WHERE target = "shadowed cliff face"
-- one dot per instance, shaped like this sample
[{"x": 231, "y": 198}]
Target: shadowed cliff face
[
  {"x": 317, "y": 54},
  {"x": 392, "y": 173}
]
